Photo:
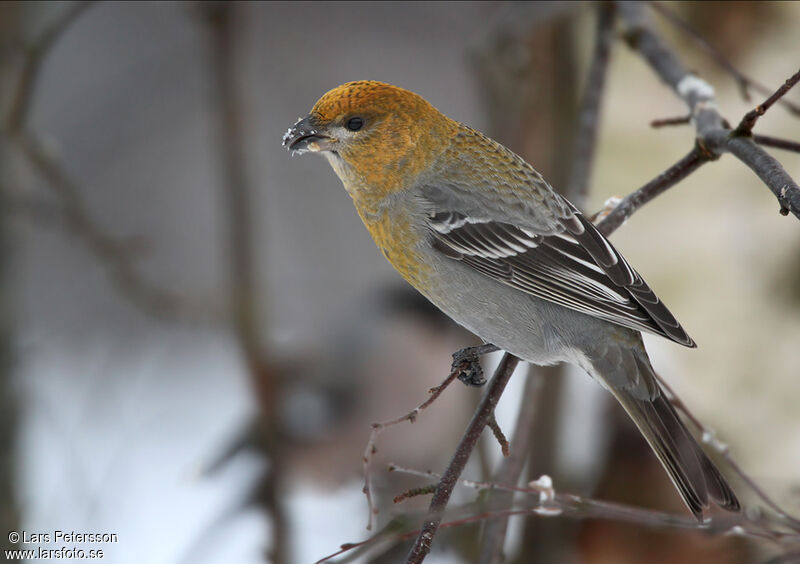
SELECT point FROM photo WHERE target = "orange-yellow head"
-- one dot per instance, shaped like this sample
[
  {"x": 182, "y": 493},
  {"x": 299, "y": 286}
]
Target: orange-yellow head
[{"x": 377, "y": 137}]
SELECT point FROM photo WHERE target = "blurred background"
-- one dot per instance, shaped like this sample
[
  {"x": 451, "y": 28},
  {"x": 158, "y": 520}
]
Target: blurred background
[{"x": 197, "y": 330}]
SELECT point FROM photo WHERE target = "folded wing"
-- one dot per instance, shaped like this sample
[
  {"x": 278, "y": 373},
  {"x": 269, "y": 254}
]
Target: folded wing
[{"x": 570, "y": 263}]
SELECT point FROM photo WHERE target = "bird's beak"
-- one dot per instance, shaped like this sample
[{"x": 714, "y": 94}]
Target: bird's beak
[{"x": 305, "y": 136}]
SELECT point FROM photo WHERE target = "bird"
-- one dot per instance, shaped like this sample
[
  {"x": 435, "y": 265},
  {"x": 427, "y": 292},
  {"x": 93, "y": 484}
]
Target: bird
[{"x": 483, "y": 236}]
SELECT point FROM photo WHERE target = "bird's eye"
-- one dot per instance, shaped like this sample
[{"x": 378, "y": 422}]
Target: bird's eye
[{"x": 355, "y": 123}]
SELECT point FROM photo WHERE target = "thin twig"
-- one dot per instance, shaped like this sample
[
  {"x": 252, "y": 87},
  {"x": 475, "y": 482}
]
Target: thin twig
[
  {"x": 665, "y": 122},
  {"x": 743, "y": 81},
  {"x": 494, "y": 426},
  {"x": 422, "y": 545},
  {"x": 750, "y": 118},
  {"x": 635, "y": 200},
  {"x": 378, "y": 428},
  {"x": 777, "y": 143},
  {"x": 414, "y": 492},
  {"x": 36, "y": 53},
  {"x": 548, "y": 502},
  {"x": 466, "y": 367},
  {"x": 543, "y": 500},
  {"x": 552, "y": 503}
]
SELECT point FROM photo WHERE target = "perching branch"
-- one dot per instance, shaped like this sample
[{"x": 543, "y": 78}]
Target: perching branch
[
  {"x": 575, "y": 190},
  {"x": 714, "y": 138},
  {"x": 422, "y": 545}
]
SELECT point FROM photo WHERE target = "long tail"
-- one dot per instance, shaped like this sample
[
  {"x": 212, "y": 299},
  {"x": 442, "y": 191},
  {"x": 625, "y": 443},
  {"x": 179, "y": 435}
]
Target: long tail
[{"x": 690, "y": 469}]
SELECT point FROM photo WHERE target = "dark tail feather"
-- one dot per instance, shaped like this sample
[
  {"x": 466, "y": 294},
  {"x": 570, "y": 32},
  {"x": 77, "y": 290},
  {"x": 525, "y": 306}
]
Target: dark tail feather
[{"x": 690, "y": 469}]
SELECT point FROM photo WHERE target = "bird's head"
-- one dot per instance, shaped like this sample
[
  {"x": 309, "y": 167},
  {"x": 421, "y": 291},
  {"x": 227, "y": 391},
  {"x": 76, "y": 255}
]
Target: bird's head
[{"x": 377, "y": 137}]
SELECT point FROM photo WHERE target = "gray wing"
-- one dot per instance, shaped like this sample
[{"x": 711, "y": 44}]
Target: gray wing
[{"x": 563, "y": 259}]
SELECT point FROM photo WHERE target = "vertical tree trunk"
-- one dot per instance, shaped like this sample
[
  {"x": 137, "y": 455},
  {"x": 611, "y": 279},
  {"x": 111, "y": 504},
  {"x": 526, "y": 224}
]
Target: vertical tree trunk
[{"x": 9, "y": 511}]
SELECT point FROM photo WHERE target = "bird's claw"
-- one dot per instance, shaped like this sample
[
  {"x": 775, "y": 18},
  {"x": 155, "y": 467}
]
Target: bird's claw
[
  {"x": 467, "y": 363},
  {"x": 470, "y": 372}
]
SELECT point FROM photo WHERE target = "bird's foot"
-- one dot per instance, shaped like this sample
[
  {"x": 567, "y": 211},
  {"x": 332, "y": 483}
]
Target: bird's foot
[{"x": 468, "y": 365}]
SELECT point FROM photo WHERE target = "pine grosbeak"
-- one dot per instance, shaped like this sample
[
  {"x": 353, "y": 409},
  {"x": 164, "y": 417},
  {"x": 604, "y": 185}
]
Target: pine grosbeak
[{"x": 484, "y": 237}]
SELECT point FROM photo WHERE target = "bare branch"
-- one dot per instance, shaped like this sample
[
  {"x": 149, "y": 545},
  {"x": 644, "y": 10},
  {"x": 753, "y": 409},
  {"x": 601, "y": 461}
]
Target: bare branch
[
  {"x": 494, "y": 534},
  {"x": 244, "y": 292},
  {"x": 744, "y": 82},
  {"x": 498, "y": 434},
  {"x": 378, "y": 428},
  {"x": 769, "y": 170},
  {"x": 751, "y": 117},
  {"x": 670, "y": 177},
  {"x": 714, "y": 137},
  {"x": 111, "y": 252},
  {"x": 466, "y": 367},
  {"x": 414, "y": 492},
  {"x": 42, "y": 211},
  {"x": 681, "y": 120},
  {"x": 777, "y": 143},
  {"x": 588, "y": 119},
  {"x": 422, "y": 545},
  {"x": 543, "y": 500},
  {"x": 546, "y": 501},
  {"x": 713, "y": 134},
  {"x": 35, "y": 56}
]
